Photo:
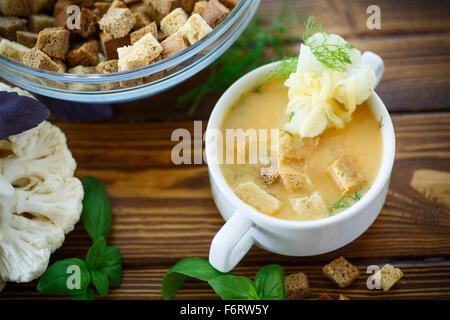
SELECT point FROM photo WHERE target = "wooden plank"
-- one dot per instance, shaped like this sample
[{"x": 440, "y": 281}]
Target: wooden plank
[{"x": 428, "y": 280}]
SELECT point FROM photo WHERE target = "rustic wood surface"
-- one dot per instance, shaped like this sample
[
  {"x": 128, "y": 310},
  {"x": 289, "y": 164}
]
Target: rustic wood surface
[{"x": 163, "y": 213}]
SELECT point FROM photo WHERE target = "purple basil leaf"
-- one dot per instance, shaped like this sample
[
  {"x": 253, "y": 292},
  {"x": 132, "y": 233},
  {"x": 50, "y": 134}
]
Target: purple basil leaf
[
  {"x": 19, "y": 113},
  {"x": 74, "y": 111}
]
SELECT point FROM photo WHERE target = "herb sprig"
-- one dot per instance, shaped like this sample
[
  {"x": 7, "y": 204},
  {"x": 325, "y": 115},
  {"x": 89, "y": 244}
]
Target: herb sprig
[
  {"x": 268, "y": 284},
  {"x": 334, "y": 55},
  {"x": 343, "y": 202},
  {"x": 102, "y": 266}
]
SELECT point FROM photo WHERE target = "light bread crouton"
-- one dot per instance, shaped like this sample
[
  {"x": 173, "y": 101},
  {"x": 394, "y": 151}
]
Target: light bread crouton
[
  {"x": 341, "y": 272},
  {"x": 173, "y": 44},
  {"x": 309, "y": 206},
  {"x": 37, "y": 59},
  {"x": 252, "y": 194},
  {"x": 173, "y": 21},
  {"x": 269, "y": 175},
  {"x": 13, "y": 50},
  {"x": 142, "y": 53},
  {"x": 294, "y": 175},
  {"x": 389, "y": 275},
  {"x": 346, "y": 172},
  {"x": 118, "y": 22},
  {"x": 297, "y": 286},
  {"x": 195, "y": 29},
  {"x": 214, "y": 12},
  {"x": 199, "y": 7}
]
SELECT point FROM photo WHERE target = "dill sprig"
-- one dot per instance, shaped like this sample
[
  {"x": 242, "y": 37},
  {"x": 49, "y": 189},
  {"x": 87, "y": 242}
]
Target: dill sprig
[
  {"x": 340, "y": 204},
  {"x": 283, "y": 69},
  {"x": 334, "y": 56},
  {"x": 380, "y": 123},
  {"x": 246, "y": 54}
]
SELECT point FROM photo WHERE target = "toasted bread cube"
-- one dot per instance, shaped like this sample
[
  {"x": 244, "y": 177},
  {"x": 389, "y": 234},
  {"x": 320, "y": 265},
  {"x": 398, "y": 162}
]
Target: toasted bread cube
[
  {"x": 61, "y": 65},
  {"x": 252, "y": 194},
  {"x": 145, "y": 8},
  {"x": 293, "y": 173},
  {"x": 343, "y": 297},
  {"x": 13, "y": 50},
  {"x": 230, "y": 3},
  {"x": 110, "y": 45},
  {"x": 10, "y": 25},
  {"x": 341, "y": 272},
  {"x": 37, "y": 6},
  {"x": 117, "y": 4},
  {"x": 297, "y": 147},
  {"x": 54, "y": 42},
  {"x": 269, "y": 175},
  {"x": 214, "y": 12},
  {"x": 118, "y": 22},
  {"x": 188, "y": 5},
  {"x": 28, "y": 39},
  {"x": 61, "y": 5},
  {"x": 85, "y": 55},
  {"x": 130, "y": 1},
  {"x": 142, "y": 20},
  {"x": 195, "y": 29},
  {"x": 173, "y": 44},
  {"x": 199, "y": 7},
  {"x": 102, "y": 7},
  {"x": 173, "y": 21},
  {"x": 109, "y": 66},
  {"x": 309, "y": 207},
  {"x": 142, "y": 53},
  {"x": 37, "y": 59},
  {"x": 297, "y": 286},
  {"x": 346, "y": 173},
  {"x": 18, "y": 8},
  {"x": 137, "y": 35},
  {"x": 38, "y": 22},
  {"x": 389, "y": 276},
  {"x": 80, "y": 86},
  {"x": 163, "y": 7},
  {"x": 88, "y": 23}
]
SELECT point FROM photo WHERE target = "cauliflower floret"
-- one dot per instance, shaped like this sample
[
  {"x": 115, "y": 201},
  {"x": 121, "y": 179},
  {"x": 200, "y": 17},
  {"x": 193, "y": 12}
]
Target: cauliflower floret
[{"x": 40, "y": 200}]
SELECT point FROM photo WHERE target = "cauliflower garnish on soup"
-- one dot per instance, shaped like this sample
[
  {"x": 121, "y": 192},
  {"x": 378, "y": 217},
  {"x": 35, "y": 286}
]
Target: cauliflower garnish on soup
[
  {"x": 329, "y": 83},
  {"x": 40, "y": 200}
]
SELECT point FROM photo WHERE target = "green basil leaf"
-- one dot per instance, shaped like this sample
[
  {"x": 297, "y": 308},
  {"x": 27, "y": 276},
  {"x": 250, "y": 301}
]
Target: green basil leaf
[
  {"x": 231, "y": 287},
  {"x": 96, "y": 214},
  {"x": 189, "y": 267},
  {"x": 96, "y": 255},
  {"x": 269, "y": 282},
  {"x": 69, "y": 277},
  {"x": 112, "y": 266},
  {"x": 100, "y": 281},
  {"x": 87, "y": 294}
]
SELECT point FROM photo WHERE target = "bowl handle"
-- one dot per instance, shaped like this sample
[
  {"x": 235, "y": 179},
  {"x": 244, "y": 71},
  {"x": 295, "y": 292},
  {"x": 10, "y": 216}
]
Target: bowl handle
[
  {"x": 231, "y": 243},
  {"x": 375, "y": 62}
]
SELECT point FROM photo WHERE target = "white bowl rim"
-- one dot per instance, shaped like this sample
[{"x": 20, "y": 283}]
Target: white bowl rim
[{"x": 215, "y": 120}]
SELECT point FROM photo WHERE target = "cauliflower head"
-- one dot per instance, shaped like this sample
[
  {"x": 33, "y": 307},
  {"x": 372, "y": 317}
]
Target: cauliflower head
[{"x": 40, "y": 200}]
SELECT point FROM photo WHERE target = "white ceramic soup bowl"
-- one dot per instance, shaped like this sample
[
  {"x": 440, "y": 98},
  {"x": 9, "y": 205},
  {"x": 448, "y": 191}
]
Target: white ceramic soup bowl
[{"x": 246, "y": 226}]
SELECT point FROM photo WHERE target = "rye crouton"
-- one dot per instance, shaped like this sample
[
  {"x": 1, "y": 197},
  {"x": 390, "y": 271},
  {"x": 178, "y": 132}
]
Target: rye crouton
[
  {"x": 294, "y": 175},
  {"x": 18, "y": 8},
  {"x": 38, "y": 22},
  {"x": 85, "y": 55},
  {"x": 346, "y": 172},
  {"x": 37, "y": 59},
  {"x": 195, "y": 29},
  {"x": 10, "y": 25},
  {"x": 214, "y": 12},
  {"x": 37, "y": 6},
  {"x": 309, "y": 207},
  {"x": 142, "y": 53},
  {"x": 118, "y": 22},
  {"x": 297, "y": 286},
  {"x": 88, "y": 23},
  {"x": 252, "y": 194},
  {"x": 341, "y": 272},
  {"x": 173, "y": 21},
  {"x": 110, "y": 45},
  {"x": 163, "y": 7},
  {"x": 13, "y": 50},
  {"x": 389, "y": 275},
  {"x": 54, "y": 42},
  {"x": 137, "y": 35},
  {"x": 172, "y": 45},
  {"x": 142, "y": 20},
  {"x": 28, "y": 39}
]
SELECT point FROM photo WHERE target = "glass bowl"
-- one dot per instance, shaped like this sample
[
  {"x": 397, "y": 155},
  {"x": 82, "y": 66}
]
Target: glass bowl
[{"x": 137, "y": 83}]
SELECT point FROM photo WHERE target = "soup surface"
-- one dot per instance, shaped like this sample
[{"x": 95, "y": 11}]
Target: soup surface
[{"x": 360, "y": 139}]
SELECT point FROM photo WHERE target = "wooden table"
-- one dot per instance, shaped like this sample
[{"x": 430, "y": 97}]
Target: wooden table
[{"x": 163, "y": 213}]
